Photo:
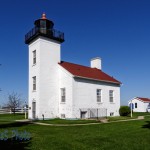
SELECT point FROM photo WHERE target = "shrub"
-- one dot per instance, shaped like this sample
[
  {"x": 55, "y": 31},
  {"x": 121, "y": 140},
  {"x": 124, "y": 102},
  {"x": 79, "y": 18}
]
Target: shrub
[{"x": 124, "y": 111}]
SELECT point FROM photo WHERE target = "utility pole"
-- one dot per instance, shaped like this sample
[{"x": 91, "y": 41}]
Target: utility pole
[
  {"x": 25, "y": 108},
  {"x": 131, "y": 107}
]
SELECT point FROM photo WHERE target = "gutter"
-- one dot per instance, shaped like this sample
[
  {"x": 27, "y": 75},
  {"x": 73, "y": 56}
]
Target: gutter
[{"x": 96, "y": 79}]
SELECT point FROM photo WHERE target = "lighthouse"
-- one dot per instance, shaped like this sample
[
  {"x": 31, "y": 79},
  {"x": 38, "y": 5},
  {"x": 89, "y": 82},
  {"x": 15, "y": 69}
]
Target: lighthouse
[
  {"x": 44, "y": 45},
  {"x": 60, "y": 89}
]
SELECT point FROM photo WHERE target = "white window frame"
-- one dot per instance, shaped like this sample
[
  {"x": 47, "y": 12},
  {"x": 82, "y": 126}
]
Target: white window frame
[
  {"x": 111, "y": 96},
  {"x": 34, "y": 57},
  {"x": 63, "y": 95},
  {"x": 99, "y": 95},
  {"x": 135, "y": 105},
  {"x": 34, "y": 83}
]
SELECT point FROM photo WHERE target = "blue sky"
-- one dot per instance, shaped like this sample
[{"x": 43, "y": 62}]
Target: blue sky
[{"x": 117, "y": 31}]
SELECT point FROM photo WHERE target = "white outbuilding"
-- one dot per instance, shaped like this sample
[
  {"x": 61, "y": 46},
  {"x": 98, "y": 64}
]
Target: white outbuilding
[
  {"x": 140, "y": 104},
  {"x": 62, "y": 89}
]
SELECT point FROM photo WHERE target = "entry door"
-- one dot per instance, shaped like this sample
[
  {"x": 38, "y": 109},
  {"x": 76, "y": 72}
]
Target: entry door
[
  {"x": 33, "y": 110},
  {"x": 83, "y": 114}
]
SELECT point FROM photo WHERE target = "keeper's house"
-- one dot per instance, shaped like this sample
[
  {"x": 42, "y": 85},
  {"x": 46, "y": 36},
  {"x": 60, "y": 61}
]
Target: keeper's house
[
  {"x": 63, "y": 89},
  {"x": 140, "y": 104}
]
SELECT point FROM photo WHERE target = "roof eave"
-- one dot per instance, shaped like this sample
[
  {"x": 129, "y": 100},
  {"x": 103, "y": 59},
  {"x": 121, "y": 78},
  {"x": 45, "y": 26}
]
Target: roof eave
[
  {"x": 137, "y": 98},
  {"x": 98, "y": 80}
]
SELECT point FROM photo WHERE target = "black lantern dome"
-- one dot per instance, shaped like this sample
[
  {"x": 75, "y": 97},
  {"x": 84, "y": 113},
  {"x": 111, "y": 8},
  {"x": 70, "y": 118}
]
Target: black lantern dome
[
  {"x": 44, "y": 22},
  {"x": 44, "y": 27}
]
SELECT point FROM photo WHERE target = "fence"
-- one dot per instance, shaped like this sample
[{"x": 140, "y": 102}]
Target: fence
[{"x": 9, "y": 111}]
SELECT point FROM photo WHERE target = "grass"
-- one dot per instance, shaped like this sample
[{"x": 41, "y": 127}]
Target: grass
[
  {"x": 11, "y": 117},
  {"x": 135, "y": 114},
  {"x": 120, "y": 118},
  {"x": 64, "y": 121},
  {"x": 132, "y": 135}
]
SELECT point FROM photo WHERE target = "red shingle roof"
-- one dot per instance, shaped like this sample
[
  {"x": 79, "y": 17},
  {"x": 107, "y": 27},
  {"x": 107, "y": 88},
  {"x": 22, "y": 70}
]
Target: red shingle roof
[
  {"x": 87, "y": 72},
  {"x": 144, "y": 99}
]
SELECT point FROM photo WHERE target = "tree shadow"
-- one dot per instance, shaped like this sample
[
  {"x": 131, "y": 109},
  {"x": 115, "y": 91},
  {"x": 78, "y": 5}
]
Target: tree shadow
[
  {"x": 146, "y": 125},
  {"x": 11, "y": 143}
]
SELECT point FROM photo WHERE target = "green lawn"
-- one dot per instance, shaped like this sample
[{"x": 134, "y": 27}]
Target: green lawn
[
  {"x": 132, "y": 135},
  {"x": 120, "y": 118},
  {"x": 11, "y": 117},
  {"x": 65, "y": 121},
  {"x": 135, "y": 114}
]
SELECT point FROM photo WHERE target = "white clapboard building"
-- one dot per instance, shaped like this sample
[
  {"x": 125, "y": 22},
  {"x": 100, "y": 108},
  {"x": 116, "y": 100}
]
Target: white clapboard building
[
  {"x": 62, "y": 89},
  {"x": 140, "y": 104}
]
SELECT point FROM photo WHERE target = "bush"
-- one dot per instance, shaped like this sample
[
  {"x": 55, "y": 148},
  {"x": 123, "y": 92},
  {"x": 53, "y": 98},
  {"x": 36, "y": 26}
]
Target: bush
[{"x": 124, "y": 111}]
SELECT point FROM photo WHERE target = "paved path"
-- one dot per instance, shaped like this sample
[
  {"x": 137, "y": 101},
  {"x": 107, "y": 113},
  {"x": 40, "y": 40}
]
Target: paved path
[{"x": 62, "y": 125}]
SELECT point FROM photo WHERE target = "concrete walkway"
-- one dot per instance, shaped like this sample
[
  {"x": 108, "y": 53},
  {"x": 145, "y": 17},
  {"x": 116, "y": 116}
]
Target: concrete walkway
[{"x": 63, "y": 125}]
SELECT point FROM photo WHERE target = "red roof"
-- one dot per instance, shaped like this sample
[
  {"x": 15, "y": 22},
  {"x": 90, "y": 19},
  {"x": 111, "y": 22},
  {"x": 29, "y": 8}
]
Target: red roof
[
  {"x": 87, "y": 72},
  {"x": 144, "y": 99}
]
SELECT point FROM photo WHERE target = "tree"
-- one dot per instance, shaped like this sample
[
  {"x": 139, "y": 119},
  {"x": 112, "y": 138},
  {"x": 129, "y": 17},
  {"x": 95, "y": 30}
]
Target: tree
[
  {"x": 124, "y": 111},
  {"x": 14, "y": 101}
]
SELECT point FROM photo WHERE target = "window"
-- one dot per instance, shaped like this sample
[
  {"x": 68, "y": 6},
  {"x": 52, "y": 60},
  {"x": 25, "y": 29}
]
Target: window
[
  {"x": 111, "y": 96},
  {"x": 63, "y": 94},
  {"x": 34, "y": 57},
  {"x": 63, "y": 116},
  {"x": 83, "y": 114},
  {"x": 111, "y": 113},
  {"x": 43, "y": 24},
  {"x": 99, "y": 95},
  {"x": 135, "y": 105},
  {"x": 34, "y": 83},
  {"x": 34, "y": 110}
]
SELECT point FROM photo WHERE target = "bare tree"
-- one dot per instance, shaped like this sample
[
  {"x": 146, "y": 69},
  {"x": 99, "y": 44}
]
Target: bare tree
[{"x": 14, "y": 101}]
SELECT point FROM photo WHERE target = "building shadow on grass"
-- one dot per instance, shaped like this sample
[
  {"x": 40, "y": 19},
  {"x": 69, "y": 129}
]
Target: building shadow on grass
[
  {"x": 13, "y": 124},
  {"x": 12, "y": 144},
  {"x": 147, "y": 125}
]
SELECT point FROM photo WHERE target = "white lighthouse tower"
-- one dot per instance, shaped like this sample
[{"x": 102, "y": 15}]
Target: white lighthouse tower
[{"x": 44, "y": 55}]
